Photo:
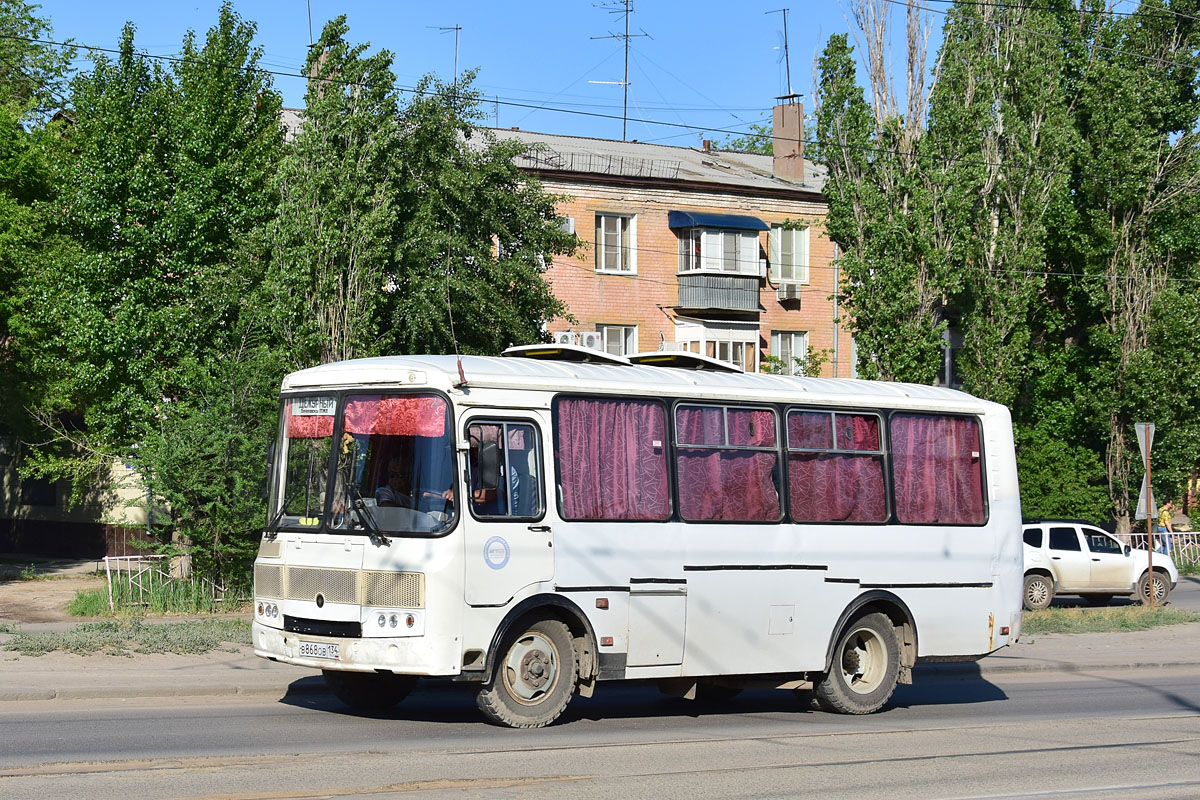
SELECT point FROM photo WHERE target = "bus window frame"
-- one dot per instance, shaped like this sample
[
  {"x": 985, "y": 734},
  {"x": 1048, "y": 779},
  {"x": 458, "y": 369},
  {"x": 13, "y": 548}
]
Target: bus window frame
[
  {"x": 780, "y": 457},
  {"x": 667, "y": 446},
  {"x": 335, "y": 450},
  {"x": 884, "y": 453},
  {"x": 983, "y": 483},
  {"x": 540, "y": 459}
]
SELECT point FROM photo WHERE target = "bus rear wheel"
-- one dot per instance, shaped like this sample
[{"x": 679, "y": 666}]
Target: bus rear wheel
[
  {"x": 866, "y": 664},
  {"x": 368, "y": 691},
  {"x": 534, "y": 679}
]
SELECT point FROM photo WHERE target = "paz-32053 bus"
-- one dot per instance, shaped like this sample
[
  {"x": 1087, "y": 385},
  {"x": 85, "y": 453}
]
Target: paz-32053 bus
[{"x": 537, "y": 523}]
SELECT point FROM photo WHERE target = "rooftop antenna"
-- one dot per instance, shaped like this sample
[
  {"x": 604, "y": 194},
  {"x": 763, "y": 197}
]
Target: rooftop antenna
[
  {"x": 447, "y": 29},
  {"x": 786, "y": 60},
  {"x": 626, "y": 8},
  {"x": 310, "y": 39}
]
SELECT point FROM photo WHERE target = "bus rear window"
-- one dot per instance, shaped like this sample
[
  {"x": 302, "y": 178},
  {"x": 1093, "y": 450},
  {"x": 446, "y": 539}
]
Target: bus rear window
[{"x": 938, "y": 469}]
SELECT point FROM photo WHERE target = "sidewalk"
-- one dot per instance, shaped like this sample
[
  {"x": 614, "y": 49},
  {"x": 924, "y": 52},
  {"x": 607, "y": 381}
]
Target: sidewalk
[{"x": 66, "y": 676}]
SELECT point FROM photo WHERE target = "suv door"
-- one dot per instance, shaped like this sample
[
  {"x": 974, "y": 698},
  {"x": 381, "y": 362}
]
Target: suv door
[
  {"x": 1110, "y": 565},
  {"x": 1071, "y": 561}
]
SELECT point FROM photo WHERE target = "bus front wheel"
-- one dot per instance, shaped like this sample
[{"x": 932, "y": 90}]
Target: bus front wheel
[
  {"x": 866, "y": 664},
  {"x": 534, "y": 678}
]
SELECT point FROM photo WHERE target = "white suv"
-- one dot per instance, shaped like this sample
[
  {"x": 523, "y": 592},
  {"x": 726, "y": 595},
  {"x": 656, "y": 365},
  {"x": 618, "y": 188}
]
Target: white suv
[{"x": 1066, "y": 557}]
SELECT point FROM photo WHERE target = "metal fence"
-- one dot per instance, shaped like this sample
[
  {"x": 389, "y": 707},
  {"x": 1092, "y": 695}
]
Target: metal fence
[
  {"x": 145, "y": 573},
  {"x": 1183, "y": 548}
]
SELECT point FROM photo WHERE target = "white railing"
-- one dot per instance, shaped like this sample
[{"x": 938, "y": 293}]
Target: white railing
[
  {"x": 1183, "y": 548},
  {"x": 141, "y": 572}
]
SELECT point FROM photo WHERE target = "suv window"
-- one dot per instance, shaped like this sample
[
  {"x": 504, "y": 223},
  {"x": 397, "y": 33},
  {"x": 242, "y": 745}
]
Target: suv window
[
  {"x": 1033, "y": 537},
  {"x": 1100, "y": 542},
  {"x": 1064, "y": 539}
]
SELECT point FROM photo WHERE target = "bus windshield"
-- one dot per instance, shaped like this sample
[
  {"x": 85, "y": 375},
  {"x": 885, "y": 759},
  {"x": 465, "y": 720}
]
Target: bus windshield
[
  {"x": 395, "y": 465},
  {"x": 307, "y": 437}
]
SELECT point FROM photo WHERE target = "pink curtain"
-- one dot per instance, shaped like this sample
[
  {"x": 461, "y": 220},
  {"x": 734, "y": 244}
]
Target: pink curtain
[
  {"x": 836, "y": 487},
  {"x": 407, "y": 415},
  {"x": 611, "y": 457},
  {"x": 308, "y": 427},
  {"x": 936, "y": 461},
  {"x": 725, "y": 484}
]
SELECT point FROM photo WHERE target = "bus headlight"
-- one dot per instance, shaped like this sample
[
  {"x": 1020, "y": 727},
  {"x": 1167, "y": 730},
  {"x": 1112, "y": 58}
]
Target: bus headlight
[{"x": 382, "y": 620}]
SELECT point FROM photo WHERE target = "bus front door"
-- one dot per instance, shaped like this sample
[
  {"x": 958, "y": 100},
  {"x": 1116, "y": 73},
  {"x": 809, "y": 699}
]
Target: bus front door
[{"x": 508, "y": 538}]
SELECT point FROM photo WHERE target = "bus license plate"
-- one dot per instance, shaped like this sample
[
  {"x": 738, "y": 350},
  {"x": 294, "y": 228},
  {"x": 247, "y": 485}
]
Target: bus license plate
[{"x": 320, "y": 650}]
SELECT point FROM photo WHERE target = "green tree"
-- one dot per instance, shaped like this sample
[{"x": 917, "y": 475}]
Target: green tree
[
  {"x": 164, "y": 183},
  {"x": 401, "y": 221},
  {"x": 32, "y": 74}
]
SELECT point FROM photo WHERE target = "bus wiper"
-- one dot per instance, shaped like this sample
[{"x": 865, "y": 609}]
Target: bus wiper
[{"x": 363, "y": 511}]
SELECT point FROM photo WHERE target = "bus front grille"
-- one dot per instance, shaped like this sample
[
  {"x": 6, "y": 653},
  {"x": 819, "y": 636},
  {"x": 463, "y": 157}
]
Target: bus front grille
[{"x": 378, "y": 588}]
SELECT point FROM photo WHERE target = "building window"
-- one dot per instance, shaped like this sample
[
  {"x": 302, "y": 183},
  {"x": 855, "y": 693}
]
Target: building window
[
  {"x": 709, "y": 250},
  {"x": 616, "y": 244},
  {"x": 789, "y": 254},
  {"x": 788, "y": 346},
  {"x": 618, "y": 340},
  {"x": 729, "y": 341}
]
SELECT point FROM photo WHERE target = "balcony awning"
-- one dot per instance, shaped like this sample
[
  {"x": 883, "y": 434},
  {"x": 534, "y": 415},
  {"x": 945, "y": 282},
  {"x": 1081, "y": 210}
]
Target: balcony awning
[{"x": 695, "y": 219}]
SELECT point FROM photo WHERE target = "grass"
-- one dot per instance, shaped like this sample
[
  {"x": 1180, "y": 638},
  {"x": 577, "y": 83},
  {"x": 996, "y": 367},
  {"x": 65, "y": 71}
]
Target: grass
[
  {"x": 1107, "y": 620},
  {"x": 133, "y": 636},
  {"x": 176, "y": 597}
]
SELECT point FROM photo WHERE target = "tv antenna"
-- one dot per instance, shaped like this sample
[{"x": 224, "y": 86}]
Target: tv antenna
[
  {"x": 447, "y": 29},
  {"x": 626, "y": 8},
  {"x": 786, "y": 60}
]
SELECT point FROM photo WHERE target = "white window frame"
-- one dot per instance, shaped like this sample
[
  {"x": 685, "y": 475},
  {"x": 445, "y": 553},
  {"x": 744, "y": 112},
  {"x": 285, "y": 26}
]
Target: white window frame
[
  {"x": 788, "y": 346},
  {"x": 619, "y": 340},
  {"x": 728, "y": 340},
  {"x": 715, "y": 245},
  {"x": 626, "y": 253},
  {"x": 789, "y": 254}
]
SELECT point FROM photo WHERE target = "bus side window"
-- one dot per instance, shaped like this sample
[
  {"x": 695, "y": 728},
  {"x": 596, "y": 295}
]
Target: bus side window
[{"x": 511, "y": 486}]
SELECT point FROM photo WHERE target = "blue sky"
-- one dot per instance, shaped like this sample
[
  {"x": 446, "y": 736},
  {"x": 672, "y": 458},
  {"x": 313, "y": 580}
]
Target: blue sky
[{"x": 709, "y": 64}]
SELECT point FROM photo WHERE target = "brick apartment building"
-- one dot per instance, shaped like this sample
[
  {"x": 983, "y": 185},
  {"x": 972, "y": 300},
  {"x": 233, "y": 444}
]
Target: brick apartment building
[{"x": 687, "y": 248}]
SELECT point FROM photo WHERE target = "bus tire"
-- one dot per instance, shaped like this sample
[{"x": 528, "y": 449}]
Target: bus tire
[
  {"x": 535, "y": 676},
  {"x": 368, "y": 691},
  {"x": 866, "y": 664},
  {"x": 1162, "y": 588}
]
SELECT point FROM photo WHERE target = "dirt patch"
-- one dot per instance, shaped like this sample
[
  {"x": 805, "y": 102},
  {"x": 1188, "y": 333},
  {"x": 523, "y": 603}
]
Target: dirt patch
[{"x": 43, "y": 600}]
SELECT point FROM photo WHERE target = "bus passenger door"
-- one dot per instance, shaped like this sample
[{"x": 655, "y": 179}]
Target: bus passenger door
[{"x": 508, "y": 539}]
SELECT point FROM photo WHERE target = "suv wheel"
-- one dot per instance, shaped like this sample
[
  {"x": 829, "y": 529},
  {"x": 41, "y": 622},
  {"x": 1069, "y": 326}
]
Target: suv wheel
[{"x": 1039, "y": 591}]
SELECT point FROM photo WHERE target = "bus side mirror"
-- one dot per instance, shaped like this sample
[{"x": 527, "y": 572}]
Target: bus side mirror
[
  {"x": 489, "y": 466},
  {"x": 266, "y": 490}
]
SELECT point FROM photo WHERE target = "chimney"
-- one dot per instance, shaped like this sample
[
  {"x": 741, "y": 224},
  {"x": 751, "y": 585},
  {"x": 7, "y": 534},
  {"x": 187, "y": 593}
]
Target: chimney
[
  {"x": 706, "y": 145},
  {"x": 788, "y": 144}
]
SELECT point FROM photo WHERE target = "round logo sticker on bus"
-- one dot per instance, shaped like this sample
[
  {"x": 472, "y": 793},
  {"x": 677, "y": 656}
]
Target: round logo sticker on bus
[{"x": 496, "y": 552}]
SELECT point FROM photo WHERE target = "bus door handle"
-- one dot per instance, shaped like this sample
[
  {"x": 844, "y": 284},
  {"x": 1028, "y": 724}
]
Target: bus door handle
[{"x": 540, "y": 528}]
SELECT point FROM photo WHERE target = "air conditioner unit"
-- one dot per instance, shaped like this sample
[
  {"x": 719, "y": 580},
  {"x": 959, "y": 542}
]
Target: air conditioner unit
[
  {"x": 592, "y": 339},
  {"x": 566, "y": 337},
  {"x": 568, "y": 225},
  {"x": 788, "y": 291}
]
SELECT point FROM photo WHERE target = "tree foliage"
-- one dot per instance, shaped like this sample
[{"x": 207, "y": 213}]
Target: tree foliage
[{"x": 1047, "y": 211}]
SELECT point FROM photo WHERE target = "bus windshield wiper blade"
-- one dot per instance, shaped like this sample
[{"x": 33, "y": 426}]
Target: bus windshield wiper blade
[{"x": 359, "y": 506}]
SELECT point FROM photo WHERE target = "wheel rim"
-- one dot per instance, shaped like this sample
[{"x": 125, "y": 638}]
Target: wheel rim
[
  {"x": 1036, "y": 593},
  {"x": 863, "y": 661},
  {"x": 1159, "y": 587},
  {"x": 531, "y": 668}
]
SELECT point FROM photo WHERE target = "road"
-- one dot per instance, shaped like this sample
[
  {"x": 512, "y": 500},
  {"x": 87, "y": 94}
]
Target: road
[
  {"x": 1185, "y": 596},
  {"x": 1127, "y": 734}
]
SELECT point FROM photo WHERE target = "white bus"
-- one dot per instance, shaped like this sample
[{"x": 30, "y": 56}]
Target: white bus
[{"x": 536, "y": 523}]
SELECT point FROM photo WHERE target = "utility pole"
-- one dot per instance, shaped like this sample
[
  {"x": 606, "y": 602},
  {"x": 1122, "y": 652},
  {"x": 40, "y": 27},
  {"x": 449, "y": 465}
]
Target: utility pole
[
  {"x": 786, "y": 60},
  {"x": 626, "y": 8}
]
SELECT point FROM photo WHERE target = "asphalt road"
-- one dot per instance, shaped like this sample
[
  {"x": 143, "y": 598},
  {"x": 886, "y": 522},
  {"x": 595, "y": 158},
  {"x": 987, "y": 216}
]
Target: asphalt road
[
  {"x": 1124, "y": 734},
  {"x": 1186, "y": 596}
]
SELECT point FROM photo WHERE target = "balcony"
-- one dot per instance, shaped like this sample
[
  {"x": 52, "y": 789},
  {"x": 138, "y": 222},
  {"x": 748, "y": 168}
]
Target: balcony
[{"x": 711, "y": 292}]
